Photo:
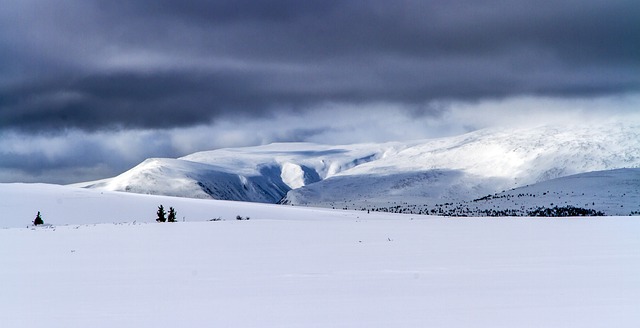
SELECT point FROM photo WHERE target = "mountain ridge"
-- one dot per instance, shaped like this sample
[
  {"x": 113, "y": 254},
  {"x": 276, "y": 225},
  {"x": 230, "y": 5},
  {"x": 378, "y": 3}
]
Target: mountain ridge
[{"x": 430, "y": 171}]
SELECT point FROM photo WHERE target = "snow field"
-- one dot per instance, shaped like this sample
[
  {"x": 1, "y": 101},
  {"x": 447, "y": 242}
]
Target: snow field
[
  {"x": 394, "y": 272},
  {"x": 304, "y": 267},
  {"x": 64, "y": 205}
]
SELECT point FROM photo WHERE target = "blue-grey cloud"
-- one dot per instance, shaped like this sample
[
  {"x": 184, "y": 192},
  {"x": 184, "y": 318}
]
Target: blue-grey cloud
[
  {"x": 96, "y": 64},
  {"x": 77, "y": 155},
  {"x": 88, "y": 88}
]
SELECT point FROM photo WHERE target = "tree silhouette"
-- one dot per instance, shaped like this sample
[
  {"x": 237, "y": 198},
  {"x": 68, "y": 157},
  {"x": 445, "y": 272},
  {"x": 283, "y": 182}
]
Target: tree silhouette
[
  {"x": 38, "y": 220},
  {"x": 172, "y": 215},
  {"x": 161, "y": 214}
]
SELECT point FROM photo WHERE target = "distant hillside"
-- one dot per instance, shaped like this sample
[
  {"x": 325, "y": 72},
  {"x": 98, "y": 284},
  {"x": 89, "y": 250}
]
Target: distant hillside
[
  {"x": 473, "y": 165},
  {"x": 255, "y": 174},
  {"x": 425, "y": 172},
  {"x": 612, "y": 192}
]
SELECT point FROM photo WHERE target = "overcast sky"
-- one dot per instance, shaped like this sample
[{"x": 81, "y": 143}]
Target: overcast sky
[{"x": 89, "y": 88}]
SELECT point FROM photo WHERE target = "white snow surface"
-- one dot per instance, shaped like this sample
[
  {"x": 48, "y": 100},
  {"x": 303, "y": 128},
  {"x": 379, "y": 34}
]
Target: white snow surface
[
  {"x": 304, "y": 267},
  {"x": 613, "y": 192},
  {"x": 452, "y": 169}
]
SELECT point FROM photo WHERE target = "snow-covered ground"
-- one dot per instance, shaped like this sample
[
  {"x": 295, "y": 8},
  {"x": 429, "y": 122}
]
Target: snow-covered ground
[
  {"x": 304, "y": 267},
  {"x": 613, "y": 192}
]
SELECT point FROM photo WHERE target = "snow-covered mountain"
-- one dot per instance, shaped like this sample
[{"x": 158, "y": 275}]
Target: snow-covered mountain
[
  {"x": 257, "y": 174},
  {"x": 476, "y": 164},
  {"x": 426, "y": 172}
]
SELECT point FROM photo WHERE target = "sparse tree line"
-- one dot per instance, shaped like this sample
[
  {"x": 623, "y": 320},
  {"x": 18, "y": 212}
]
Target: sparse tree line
[
  {"x": 564, "y": 211},
  {"x": 466, "y": 208},
  {"x": 463, "y": 211}
]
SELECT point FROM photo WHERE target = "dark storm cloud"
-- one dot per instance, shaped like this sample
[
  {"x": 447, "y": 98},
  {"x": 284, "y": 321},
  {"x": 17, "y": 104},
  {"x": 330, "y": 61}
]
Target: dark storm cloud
[
  {"x": 100, "y": 64},
  {"x": 119, "y": 100},
  {"x": 220, "y": 11}
]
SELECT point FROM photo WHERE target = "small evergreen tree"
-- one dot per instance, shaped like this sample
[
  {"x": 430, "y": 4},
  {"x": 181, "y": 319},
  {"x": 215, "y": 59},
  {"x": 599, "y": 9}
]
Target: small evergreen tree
[
  {"x": 38, "y": 220},
  {"x": 172, "y": 215},
  {"x": 161, "y": 214}
]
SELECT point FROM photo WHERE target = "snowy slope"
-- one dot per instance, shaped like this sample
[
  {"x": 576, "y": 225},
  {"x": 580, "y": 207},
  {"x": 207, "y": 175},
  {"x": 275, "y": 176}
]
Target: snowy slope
[
  {"x": 183, "y": 178},
  {"x": 256, "y": 174},
  {"x": 476, "y": 164},
  {"x": 303, "y": 267},
  {"x": 611, "y": 192},
  {"x": 62, "y": 205},
  {"x": 431, "y": 171}
]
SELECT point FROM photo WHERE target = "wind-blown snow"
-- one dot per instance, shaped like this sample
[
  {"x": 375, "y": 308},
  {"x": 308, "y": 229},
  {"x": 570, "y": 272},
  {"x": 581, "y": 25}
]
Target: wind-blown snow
[{"x": 304, "y": 267}]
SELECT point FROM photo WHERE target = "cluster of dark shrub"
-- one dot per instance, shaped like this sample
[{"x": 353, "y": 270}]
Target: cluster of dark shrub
[
  {"x": 505, "y": 196},
  {"x": 467, "y": 209},
  {"x": 462, "y": 211},
  {"x": 238, "y": 217},
  {"x": 161, "y": 215},
  {"x": 564, "y": 211}
]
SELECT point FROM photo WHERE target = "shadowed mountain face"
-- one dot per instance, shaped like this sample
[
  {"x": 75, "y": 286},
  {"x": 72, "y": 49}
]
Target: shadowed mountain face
[{"x": 425, "y": 172}]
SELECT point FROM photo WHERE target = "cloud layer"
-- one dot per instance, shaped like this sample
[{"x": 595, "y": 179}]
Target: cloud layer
[
  {"x": 76, "y": 155},
  {"x": 95, "y": 64},
  {"x": 89, "y": 88}
]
